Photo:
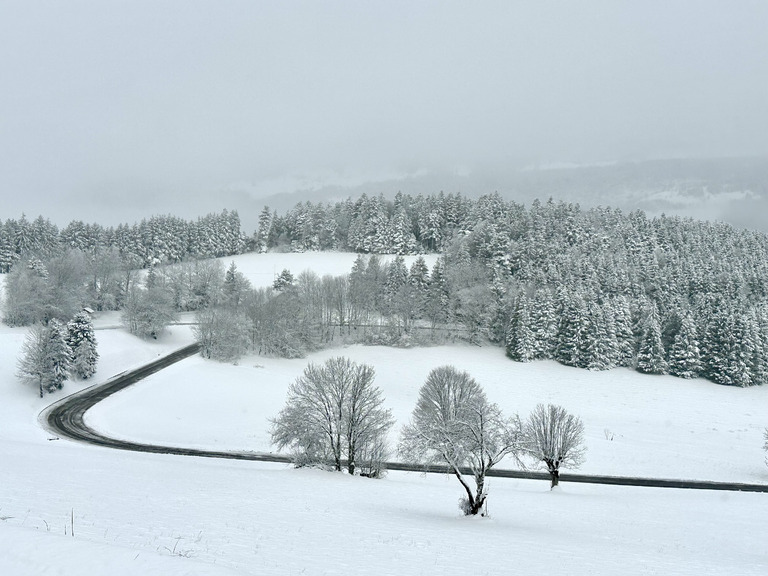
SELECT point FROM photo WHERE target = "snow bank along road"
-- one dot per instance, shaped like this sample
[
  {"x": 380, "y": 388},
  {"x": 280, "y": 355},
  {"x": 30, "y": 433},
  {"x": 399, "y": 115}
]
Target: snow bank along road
[{"x": 65, "y": 418}]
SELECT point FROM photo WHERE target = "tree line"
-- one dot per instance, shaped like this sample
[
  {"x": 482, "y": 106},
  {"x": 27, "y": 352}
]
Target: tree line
[
  {"x": 593, "y": 288},
  {"x": 590, "y": 288},
  {"x": 157, "y": 240}
]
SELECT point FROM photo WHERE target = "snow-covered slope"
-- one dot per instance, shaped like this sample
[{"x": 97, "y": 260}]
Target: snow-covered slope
[
  {"x": 167, "y": 515},
  {"x": 262, "y": 269},
  {"x": 656, "y": 426}
]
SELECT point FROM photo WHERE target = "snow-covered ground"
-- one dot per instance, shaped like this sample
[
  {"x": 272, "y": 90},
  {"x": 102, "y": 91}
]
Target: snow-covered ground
[
  {"x": 635, "y": 424},
  {"x": 262, "y": 269},
  {"x": 170, "y": 515}
]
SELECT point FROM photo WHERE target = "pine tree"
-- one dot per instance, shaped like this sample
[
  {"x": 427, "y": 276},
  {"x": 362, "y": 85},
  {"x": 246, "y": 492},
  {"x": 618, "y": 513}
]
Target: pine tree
[
  {"x": 741, "y": 352},
  {"x": 650, "y": 357},
  {"x": 716, "y": 344},
  {"x": 521, "y": 343},
  {"x": 7, "y": 255},
  {"x": 396, "y": 278},
  {"x": 570, "y": 330},
  {"x": 59, "y": 353},
  {"x": 760, "y": 357},
  {"x": 438, "y": 296},
  {"x": 685, "y": 356},
  {"x": 622, "y": 317},
  {"x": 543, "y": 323},
  {"x": 418, "y": 277},
  {"x": 602, "y": 350},
  {"x": 284, "y": 281},
  {"x": 82, "y": 342},
  {"x": 400, "y": 235}
]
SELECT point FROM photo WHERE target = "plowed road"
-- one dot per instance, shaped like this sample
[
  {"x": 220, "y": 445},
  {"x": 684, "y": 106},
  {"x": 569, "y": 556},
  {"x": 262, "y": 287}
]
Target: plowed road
[{"x": 65, "y": 418}]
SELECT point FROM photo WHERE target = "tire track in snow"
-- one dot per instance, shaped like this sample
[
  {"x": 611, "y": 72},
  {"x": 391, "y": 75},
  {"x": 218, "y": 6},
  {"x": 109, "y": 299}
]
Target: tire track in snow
[{"x": 66, "y": 418}]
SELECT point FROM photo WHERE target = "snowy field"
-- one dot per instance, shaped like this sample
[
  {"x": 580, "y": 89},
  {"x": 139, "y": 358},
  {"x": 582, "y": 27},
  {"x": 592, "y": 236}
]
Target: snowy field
[
  {"x": 262, "y": 269},
  {"x": 169, "y": 515},
  {"x": 635, "y": 424}
]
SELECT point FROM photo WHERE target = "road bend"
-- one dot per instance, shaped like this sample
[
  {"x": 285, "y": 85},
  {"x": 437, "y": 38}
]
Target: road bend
[{"x": 66, "y": 419}]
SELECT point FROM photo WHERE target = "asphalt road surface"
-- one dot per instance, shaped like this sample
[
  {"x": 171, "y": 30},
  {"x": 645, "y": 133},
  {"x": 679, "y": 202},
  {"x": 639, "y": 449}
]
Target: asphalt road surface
[{"x": 65, "y": 419}]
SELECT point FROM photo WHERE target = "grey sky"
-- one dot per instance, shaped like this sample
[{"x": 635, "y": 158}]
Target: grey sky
[{"x": 113, "y": 110}]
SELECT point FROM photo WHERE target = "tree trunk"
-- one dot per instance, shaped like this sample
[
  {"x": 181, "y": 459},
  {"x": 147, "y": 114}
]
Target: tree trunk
[
  {"x": 554, "y": 474},
  {"x": 479, "y": 494},
  {"x": 351, "y": 455},
  {"x": 475, "y": 501}
]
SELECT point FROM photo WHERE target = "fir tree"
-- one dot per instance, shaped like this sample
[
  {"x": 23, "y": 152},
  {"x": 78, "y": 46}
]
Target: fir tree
[
  {"x": 716, "y": 343},
  {"x": 284, "y": 281},
  {"x": 438, "y": 296},
  {"x": 82, "y": 342},
  {"x": 760, "y": 358},
  {"x": 570, "y": 330},
  {"x": 685, "y": 356},
  {"x": 418, "y": 278},
  {"x": 650, "y": 357},
  {"x": 521, "y": 343},
  {"x": 622, "y": 317},
  {"x": 740, "y": 352},
  {"x": 602, "y": 350},
  {"x": 236, "y": 285},
  {"x": 400, "y": 235},
  {"x": 543, "y": 323}
]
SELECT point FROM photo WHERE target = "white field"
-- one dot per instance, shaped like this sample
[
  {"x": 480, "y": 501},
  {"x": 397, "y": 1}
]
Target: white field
[
  {"x": 262, "y": 269},
  {"x": 170, "y": 515}
]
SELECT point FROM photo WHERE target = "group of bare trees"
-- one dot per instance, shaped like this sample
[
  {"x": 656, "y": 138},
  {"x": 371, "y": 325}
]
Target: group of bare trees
[
  {"x": 334, "y": 416},
  {"x": 454, "y": 424}
]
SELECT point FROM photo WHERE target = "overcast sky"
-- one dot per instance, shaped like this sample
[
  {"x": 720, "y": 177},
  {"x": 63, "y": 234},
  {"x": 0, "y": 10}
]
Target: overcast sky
[{"x": 113, "y": 109}]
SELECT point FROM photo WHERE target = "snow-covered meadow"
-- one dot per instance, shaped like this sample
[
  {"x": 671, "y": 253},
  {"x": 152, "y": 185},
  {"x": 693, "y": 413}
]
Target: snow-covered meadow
[{"x": 155, "y": 514}]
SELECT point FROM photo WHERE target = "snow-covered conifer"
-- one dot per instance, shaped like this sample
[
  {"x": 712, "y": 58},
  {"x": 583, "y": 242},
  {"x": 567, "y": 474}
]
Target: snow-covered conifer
[
  {"x": 543, "y": 323},
  {"x": 521, "y": 343},
  {"x": 284, "y": 281},
  {"x": 685, "y": 356},
  {"x": 650, "y": 357},
  {"x": 82, "y": 342}
]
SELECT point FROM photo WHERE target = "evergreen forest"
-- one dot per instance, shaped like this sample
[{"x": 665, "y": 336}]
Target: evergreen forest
[{"x": 592, "y": 288}]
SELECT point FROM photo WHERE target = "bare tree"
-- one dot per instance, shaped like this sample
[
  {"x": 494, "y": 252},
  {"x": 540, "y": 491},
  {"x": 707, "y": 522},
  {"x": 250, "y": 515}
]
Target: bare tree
[
  {"x": 148, "y": 311},
  {"x": 222, "y": 333},
  {"x": 454, "y": 424},
  {"x": 45, "y": 357},
  {"x": 333, "y": 415},
  {"x": 555, "y": 437}
]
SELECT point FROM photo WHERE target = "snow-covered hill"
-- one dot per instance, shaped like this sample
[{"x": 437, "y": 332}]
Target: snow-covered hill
[
  {"x": 169, "y": 515},
  {"x": 656, "y": 426}
]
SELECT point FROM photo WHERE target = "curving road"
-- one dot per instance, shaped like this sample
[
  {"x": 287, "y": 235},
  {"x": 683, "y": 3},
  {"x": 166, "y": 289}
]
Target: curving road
[{"x": 66, "y": 418}]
